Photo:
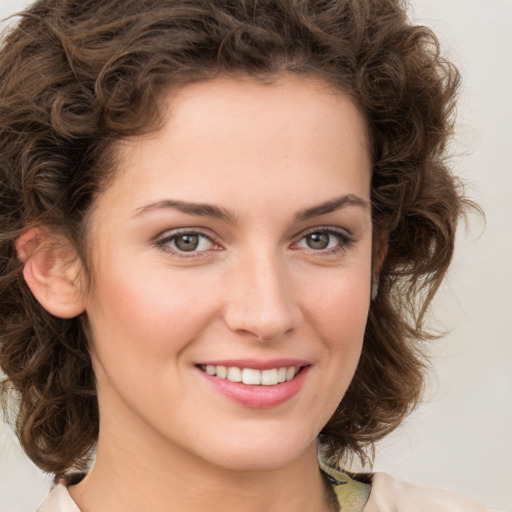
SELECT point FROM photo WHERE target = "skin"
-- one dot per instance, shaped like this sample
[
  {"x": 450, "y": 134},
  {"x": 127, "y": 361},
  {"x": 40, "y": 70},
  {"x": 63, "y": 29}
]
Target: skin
[{"x": 253, "y": 289}]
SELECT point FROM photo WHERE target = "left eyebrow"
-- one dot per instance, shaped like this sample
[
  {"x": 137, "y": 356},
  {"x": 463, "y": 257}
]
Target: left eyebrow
[
  {"x": 332, "y": 206},
  {"x": 199, "y": 209}
]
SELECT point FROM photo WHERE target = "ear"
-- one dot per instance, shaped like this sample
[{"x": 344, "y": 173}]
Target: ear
[{"x": 51, "y": 270}]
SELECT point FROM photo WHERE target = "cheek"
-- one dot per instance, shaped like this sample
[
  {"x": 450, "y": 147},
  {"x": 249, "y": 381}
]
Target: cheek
[
  {"x": 146, "y": 316},
  {"x": 338, "y": 316},
  {"x": 338, "y": 313},
  {"x": 339, "y": 308}
]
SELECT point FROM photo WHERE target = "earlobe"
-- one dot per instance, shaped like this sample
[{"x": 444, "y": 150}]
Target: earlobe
[{"x": 51, "y": 271}]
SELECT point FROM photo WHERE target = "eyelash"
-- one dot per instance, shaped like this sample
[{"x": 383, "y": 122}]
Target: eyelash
[
  {"x": 345, "y": 240},
  {"x": 163, "y": 243}
]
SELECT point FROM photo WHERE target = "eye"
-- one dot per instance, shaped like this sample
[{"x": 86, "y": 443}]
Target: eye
[
  {"x": 320, "y": 241},
  {"x": 325, "y": 240},
  {"x": 186, "y": 242}
]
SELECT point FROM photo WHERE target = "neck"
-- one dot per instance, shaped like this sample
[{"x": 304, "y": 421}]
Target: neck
[{"x": 142, "y": 472}]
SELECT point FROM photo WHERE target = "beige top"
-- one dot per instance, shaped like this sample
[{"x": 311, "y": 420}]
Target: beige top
[
  {"x": 384, "y": 494},
  {"x": 391, "y": 495}
]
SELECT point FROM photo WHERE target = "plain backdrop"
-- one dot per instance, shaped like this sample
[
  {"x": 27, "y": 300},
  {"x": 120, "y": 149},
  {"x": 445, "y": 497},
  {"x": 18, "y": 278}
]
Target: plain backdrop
[{"x": 461, "y": 437}]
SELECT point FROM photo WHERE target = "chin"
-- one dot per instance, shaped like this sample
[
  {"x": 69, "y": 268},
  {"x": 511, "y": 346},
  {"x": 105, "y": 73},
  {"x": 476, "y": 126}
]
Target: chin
[{"x": 262, "y": 453}]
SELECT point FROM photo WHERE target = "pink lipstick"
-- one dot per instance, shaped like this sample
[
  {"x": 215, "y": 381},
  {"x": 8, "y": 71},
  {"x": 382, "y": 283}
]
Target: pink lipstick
[{"x": 256, "y": 384}]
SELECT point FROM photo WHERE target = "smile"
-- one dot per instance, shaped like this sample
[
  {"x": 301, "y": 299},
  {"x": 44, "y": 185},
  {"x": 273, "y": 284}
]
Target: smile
[
  {"x": 255, "y": 383},
  {"x": 252, "y": 376}
]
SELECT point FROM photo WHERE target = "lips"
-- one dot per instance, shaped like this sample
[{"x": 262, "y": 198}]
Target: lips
[{"x": 256, "y": 384}]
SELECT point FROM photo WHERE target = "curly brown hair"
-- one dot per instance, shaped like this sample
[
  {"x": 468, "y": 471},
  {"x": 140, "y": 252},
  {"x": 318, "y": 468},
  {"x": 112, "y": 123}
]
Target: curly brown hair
[{"x": 78, "y": 75}]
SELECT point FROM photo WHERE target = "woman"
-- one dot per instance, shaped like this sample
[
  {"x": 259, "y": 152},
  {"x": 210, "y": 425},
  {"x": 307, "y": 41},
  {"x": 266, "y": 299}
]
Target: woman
[{"x": 222, "y": 226}]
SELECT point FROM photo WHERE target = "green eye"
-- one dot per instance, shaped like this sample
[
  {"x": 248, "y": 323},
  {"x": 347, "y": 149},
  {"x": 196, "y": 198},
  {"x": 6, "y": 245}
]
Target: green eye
[
  {"x": 318, "y": 241},
  {"x": 325, "y": 240},
  {"x": 187, "y": 242}
]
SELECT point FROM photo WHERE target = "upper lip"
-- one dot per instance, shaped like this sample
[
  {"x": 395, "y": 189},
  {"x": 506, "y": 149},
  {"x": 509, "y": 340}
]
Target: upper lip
[{"x": 256, "y": 364}]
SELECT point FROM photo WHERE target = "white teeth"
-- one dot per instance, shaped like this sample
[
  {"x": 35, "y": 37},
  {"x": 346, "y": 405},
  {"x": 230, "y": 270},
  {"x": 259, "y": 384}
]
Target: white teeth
[
  {"x": 234, "y": 374},
  {"x": 269, "y": 377},
  {"x": 251, "y": 376},
  {"x": 221, "y": 372}
]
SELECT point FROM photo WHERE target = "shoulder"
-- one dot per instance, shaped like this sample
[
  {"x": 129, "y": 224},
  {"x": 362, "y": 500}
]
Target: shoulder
[
  {"x": 59, "y": 500},
  {"x": 391, "y": 495},
  {"x": 380, "y": 492}
]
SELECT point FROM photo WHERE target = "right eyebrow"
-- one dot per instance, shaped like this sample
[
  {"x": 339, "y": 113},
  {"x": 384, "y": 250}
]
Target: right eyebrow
[
  {"x": 198, "y": 209},
  {"x": 333, "y": 205}
]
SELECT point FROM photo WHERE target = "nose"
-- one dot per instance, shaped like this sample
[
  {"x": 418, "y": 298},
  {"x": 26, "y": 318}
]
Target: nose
[{"x": 259, "y": 300}]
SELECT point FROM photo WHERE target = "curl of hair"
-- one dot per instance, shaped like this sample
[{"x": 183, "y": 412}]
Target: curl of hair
[{"x": 78, "y": 75}]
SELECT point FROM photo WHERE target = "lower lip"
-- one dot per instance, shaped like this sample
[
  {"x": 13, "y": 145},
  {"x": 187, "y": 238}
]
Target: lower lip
[{"x": 258, "y": 397}]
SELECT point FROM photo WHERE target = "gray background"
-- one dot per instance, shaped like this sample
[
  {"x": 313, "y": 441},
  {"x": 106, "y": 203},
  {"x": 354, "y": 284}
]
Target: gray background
[{"x": 461, "y": 437}]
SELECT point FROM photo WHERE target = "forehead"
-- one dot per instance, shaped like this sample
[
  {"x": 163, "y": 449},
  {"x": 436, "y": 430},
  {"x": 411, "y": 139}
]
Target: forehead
[{"x": 226, "y": 136}]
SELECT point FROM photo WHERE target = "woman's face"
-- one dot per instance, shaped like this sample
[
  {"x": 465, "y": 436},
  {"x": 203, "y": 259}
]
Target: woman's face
[{"x": 238, "y": 241}]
